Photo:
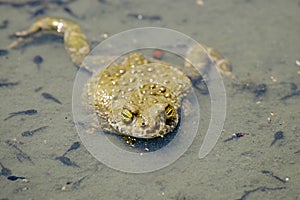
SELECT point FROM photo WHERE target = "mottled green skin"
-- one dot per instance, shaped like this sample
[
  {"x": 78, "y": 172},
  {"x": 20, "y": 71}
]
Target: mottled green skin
[{"x": 144, "y": 87}]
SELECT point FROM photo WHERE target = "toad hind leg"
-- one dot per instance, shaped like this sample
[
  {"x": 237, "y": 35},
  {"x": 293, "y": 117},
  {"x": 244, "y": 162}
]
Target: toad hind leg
[{"x": 74, "y": 40}]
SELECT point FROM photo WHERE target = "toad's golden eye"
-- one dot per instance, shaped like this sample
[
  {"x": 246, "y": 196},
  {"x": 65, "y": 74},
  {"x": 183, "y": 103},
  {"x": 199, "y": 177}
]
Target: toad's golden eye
[
  {"x": 169, "y": 111},
  {"x": 127, "y": 116}
]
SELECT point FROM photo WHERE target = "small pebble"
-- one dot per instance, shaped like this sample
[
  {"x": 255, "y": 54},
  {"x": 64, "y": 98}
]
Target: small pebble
[
  {"x": 273, "y": 79},
  {"x": 199, "y": 2},
  {"x": 287, "y": 179},
  {"x": 104, "y": 36},
  {"x": 158, "y": 54}
]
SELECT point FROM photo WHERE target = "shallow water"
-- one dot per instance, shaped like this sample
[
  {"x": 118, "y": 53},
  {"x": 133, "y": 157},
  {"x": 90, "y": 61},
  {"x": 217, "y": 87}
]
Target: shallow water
[{"x": 259, "y": 37}]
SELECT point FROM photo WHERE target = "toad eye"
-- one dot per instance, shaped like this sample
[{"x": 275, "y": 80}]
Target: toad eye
[
  {"x": 169, "y": 111},
  {"x": 127, "y": 115}
]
